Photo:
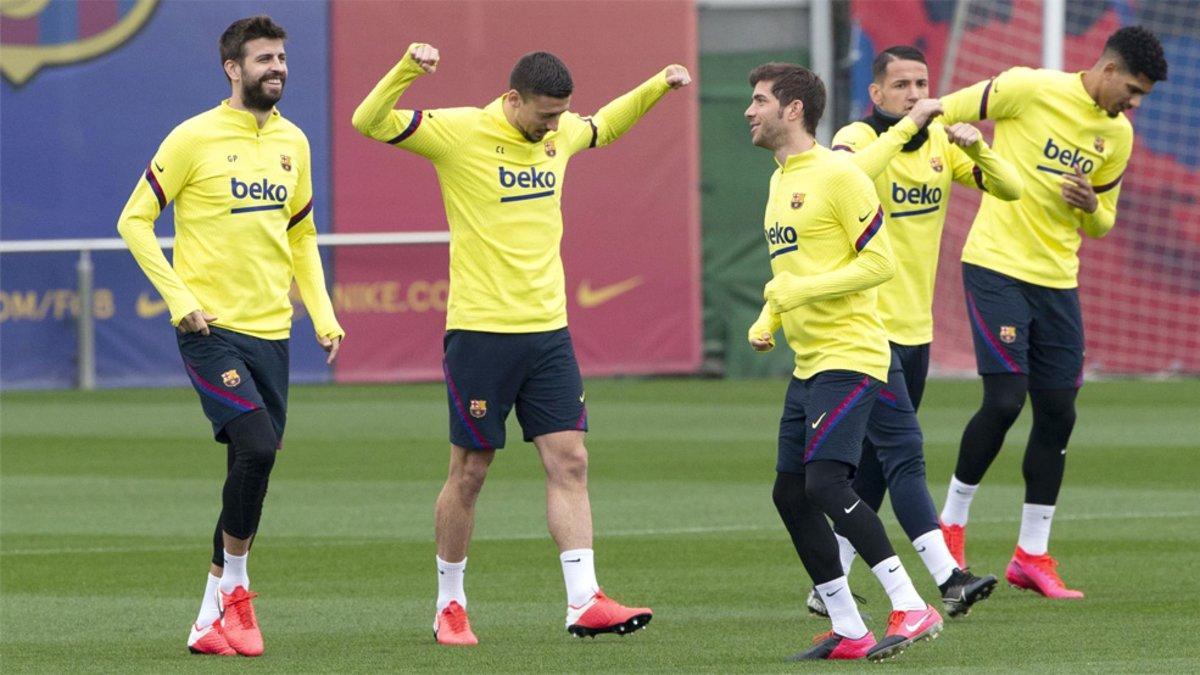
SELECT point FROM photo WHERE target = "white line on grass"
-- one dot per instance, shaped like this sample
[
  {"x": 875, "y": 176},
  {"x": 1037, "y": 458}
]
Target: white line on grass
[{"x": 539, "y": 535}]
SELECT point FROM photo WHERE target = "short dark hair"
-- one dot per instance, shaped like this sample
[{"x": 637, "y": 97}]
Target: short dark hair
[
  {"x": 1140, "y": 51},
  {"x": 234, "y": 39},
  {"x": 790, "y": 82},
  {"x": 542, "y": 74},
  {"x": 894, "y": 53}
]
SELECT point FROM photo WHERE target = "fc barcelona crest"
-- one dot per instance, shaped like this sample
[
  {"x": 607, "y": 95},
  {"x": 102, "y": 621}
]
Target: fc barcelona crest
[
  {"x": 231, "y": 378},
  {"x": 550, "y": 149},
  {"x": 285, "y": 162},
  {"x": 1008, "y": 334},
  {"x": 478, "y": 409},
  {"x": 797, "y": 200},
  {"x": 1098, "y": 144},
  {"x": 936, "y": 163}
]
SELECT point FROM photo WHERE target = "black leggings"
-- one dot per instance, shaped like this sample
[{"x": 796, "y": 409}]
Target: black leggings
[
  {"x": 804, "y": 500},
  {"x": 1045, "y": 454},
  {"x": 250, "y": 456}
]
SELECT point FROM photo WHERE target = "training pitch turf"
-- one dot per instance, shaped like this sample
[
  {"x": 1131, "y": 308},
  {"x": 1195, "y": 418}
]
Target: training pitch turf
[{"x": 107, "y": 503}]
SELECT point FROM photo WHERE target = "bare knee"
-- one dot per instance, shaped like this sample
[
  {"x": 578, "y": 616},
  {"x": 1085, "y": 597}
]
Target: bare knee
[
  {"x": 565, "y": 460},
  {"x": 468, "y": 471}
]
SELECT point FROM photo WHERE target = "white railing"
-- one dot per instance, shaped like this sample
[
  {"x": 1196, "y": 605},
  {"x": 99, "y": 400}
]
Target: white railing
[{"x": 84, "y": 272}]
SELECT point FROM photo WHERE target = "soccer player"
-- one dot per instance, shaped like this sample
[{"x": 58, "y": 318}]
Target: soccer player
[
  {"x": 1070, "y": 141},
  {"x": 501, "y": 172},
  {"x": 241, "y": 179},
  {"x": 828, "y": 250},
  {"x": 913, "y": 160}
]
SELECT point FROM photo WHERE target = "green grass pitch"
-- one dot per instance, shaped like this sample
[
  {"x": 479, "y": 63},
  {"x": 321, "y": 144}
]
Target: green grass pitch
[{"x": 107, "y": 502}]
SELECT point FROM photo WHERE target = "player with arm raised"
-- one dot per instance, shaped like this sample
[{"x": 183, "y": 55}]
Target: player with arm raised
[
  {"x": 825, "y": 234},
  {"x": 1069, "y": 138},
  {"x": 241, "y": 179},
  {"x": 501, "y": 171},
  {"x": 913, "y": 160}
]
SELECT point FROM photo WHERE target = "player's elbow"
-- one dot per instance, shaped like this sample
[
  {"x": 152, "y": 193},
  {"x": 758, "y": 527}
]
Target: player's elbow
[
  {"x": 1009, "y": 190},
  {"x": 363, "y": 120}
]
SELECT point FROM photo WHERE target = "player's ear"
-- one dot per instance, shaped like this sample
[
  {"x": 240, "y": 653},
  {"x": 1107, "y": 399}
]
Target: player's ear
[
  {"x": 796, "y": 110},
  {"x": 513, "y": 98},
  {"x": 876, "y": 93},
  {"x": 233, "y": 70}
]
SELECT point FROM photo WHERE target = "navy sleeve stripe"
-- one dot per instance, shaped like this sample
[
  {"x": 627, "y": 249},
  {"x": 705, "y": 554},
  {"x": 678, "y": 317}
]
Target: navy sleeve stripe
[
  {"x": 412, "y": 127},
  {"x": 1108, "y": 186},
  {"x": 595, "y": 133},
  {"x": 978, "y": 174},
  {"x": 870, "y": 232},
  {"x": 983, "y": 103},
  {"x": 301, "y": 214},
  {"x": 843, "y": 147},
  {"x": 158, "y": 191}
]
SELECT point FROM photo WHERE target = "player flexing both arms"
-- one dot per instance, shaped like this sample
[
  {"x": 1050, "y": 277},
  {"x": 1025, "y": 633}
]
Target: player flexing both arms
[
  {"x": 824, "y": 231},
  {"x": 913, "y": 162},
  {"x": 241, "y": 179},
  {"x": 1070, "y": 141},
  {"x": 501, "y": 174}
]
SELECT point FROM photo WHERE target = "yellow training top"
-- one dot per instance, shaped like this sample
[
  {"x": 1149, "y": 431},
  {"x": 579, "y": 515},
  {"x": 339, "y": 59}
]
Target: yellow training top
[
  {"x": 1046, "y": 125},
  {"x": 914, "y": 187},
  {"x": 824, "y": 231},
  {"x": 243, "y": 223},
  {"x": 502, "y": 193}
]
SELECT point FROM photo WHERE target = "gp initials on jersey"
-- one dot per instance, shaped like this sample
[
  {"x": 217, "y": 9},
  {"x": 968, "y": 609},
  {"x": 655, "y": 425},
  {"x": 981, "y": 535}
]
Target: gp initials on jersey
[
  {"x": 260, "y": 191},
  {"x": 1067, "y": 156}
]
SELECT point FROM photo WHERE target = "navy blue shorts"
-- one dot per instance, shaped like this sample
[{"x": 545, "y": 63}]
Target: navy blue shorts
[
  {"x": 1023, "y": 328},
  {"x": 236, "y": 374},
  {"x": 914, "y": 362},
  {"x": 825, "y": 418},
  {"x": 488, "y": 373}
]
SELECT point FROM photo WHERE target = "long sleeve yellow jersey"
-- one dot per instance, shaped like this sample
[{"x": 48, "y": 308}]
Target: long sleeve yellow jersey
[
  {"x": 914, "y": 188},
  {"x": 243, "y": 223},
  {"x": 502, "y": 194},
  {"x": 824, "y": 228},
  {"x": 1046, "y": 125}
]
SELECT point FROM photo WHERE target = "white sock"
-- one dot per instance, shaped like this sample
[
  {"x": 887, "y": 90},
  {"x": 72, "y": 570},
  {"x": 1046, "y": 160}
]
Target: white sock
[
  {"x": 846, "y": 552},
  {"x": 450, "y": 583},
  {"x": 932, "y": 548},
  {"x": 842, "y": 609},
  {"x": 235, "y": 572},
  {"x": 898, "y": 586},
  {"x": 579, "y": 572},
  {"x": 209, "y": 612},
  {"x": 958, "y": 502},
  {"x": 1035, "y": 528}
]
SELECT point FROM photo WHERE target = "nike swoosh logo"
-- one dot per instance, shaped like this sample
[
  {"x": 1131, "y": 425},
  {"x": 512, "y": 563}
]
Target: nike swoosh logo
[
  {"x": 921, "y": 550},
  {"x": 960, "y": 491},
  {"x": 148, "y": 308},
  {"x": 853, "y": 506},
  {"x": 581, "y": 397},
  {"x": 575, "y": 560},
  {"x": 814, "y": 425},
  {"x": 160, "y": 169},
  {"x": 893, "y": 570},
  {"x": 910, "y": 627},
  {"x": 830, "y": 595},
  {"x": 589, "y": 297},
  {"x": 863, "y": 219}
]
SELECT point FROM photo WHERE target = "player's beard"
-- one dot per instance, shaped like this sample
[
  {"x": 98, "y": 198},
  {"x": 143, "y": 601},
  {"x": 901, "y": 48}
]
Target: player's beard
[{"x": 255, "y": 96}]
